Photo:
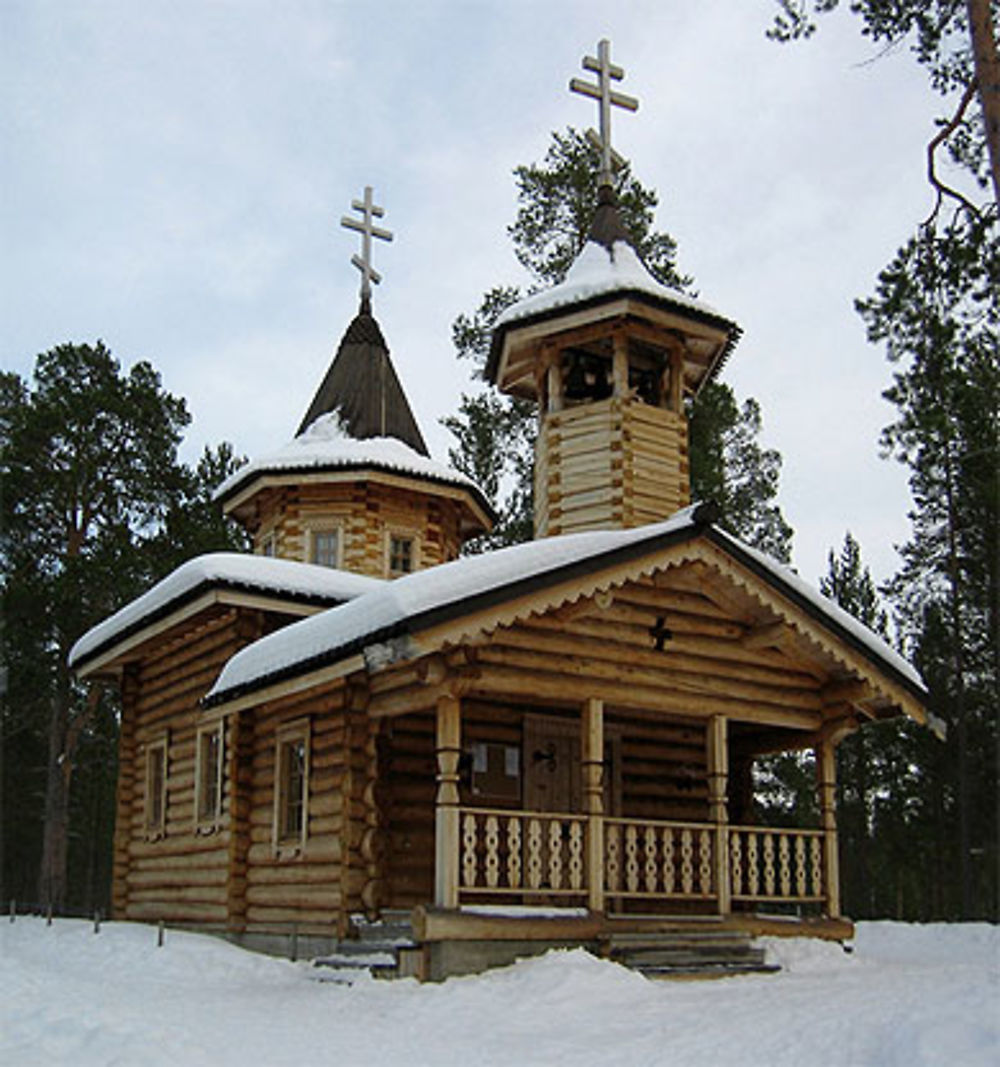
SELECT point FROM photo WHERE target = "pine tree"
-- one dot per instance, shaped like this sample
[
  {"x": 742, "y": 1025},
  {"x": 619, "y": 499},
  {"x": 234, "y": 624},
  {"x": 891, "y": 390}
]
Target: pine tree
[
  {"x": 937, "y": 309},
  {"x": 92, "y": 491},
  {"x": 849, "y": 583},
  {"x": 495, "y": 434}
]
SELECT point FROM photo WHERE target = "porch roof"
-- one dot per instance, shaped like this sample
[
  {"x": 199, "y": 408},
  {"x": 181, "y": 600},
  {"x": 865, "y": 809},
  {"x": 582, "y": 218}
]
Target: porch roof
[{"x": 379, "y": 624}]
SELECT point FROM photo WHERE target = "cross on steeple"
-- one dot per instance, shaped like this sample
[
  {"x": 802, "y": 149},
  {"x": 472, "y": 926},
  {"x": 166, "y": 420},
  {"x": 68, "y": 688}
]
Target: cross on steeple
[
  {"x": 602, "y": 92},
  {"x": 365, "y": 226}
]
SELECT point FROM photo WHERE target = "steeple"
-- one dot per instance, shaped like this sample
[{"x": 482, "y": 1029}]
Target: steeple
[
  {"x": 611, "y": 356},
  {"x": 356, "y": 487},
  {"x": 361, "y": 386}
]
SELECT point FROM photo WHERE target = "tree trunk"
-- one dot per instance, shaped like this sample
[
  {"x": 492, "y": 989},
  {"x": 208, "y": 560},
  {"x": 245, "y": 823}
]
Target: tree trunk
[
  {"x": 52, "y": 872},
  {"x": 987, "y": 68}
]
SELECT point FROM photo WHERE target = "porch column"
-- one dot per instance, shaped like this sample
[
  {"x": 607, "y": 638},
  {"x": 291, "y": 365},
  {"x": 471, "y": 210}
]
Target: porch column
[
  {"x": 592, "y": 767},
  {"x": 718, "y": 778},
  {"x": 826, "y": 780},
  {"x": 448, "y": 745}
]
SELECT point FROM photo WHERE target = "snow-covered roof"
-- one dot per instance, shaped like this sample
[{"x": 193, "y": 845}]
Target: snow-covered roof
[
  {"x": 285, "y": 578},
  {"x": 324, "y": 446},
  {"x": 476, "y": 582},
  {"x": 599, "y": 271}
]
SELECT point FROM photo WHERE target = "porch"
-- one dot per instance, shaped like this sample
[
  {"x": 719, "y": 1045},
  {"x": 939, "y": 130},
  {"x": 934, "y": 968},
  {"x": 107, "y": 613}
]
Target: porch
[{"x": 617, "y": 864}]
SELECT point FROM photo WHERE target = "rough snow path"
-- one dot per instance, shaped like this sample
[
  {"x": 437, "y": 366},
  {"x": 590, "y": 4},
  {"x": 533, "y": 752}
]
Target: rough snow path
[{"x": 908, "y": 996}]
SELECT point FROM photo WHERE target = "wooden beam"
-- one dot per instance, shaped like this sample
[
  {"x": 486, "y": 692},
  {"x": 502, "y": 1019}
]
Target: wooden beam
[
  {"x": 501, "y": 681},
  {"x": 849, "y": 692},
  {"x": 649, "y": 673},
  {"x": 770, "y": 635},
  {"x": 696, "y": 655}
]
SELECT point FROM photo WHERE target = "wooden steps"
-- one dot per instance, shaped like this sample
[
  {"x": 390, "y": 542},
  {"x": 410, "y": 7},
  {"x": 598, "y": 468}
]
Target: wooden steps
[
  {"x": 687, "y": 953},
  {"x": 381, "y": 949},
  {"x": 673, "y": 948}
]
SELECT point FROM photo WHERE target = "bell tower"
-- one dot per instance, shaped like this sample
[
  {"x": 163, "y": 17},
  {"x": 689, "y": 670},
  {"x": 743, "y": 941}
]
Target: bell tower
[{"x": 611, "y": 356}]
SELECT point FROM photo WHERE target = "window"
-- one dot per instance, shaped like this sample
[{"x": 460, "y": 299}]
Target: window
[
  {"x": 208, "y": 777},
  {"x": 496, "y": 771},
  {"x": 401, "y": 555},
  {"x": 291, "y": 794},
  {"x": 324, "y": 547},
  {"x": 267, "y": 545},
  {"x": 156, "y": 788}
]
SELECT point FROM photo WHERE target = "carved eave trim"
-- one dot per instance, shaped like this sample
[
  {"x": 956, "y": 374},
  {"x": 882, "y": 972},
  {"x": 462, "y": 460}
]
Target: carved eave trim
[
  {"x": 871, "y": 687},
  {"x": 814, "y": 633}
]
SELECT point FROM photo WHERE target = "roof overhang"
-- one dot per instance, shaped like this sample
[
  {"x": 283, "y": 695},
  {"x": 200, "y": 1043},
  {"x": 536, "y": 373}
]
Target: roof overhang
[
  {"x": 477, "y": 514},
  {"x": 707, "y": 338},
  {"x": 468, "y": 617},
  {"x": 107, "y": 659}
]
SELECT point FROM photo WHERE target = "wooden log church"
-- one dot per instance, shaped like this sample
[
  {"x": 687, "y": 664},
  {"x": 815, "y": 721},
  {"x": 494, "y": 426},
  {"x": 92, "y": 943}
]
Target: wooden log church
[{"x": 552, "y": 743}]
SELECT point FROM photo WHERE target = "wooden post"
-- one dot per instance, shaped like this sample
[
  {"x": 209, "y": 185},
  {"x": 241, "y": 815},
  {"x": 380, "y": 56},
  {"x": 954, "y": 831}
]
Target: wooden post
[
  {"x": 826, "y": 779},
  {"x": 446, "y": 816},
  {"x": 676, "y": 402},
  {"x": 718, "y": 778},
  {"x": 619, "y": 366},
  {"x": 554, "y": 382},
  {"x": 592, "y": 767}
]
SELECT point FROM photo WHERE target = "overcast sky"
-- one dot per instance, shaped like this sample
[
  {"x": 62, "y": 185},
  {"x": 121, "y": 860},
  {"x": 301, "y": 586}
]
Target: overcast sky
[{"x": 173, "y": 176}]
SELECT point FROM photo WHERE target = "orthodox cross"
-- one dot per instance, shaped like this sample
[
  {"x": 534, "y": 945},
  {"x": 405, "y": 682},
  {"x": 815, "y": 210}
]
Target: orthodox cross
[
  {"x": 602, "y": 92},
  {"x": 660, "y": 633},
  {"x": 365, "y": 226}
]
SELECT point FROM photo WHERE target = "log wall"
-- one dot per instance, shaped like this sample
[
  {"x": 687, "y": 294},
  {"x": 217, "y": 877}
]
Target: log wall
[
  {"x": 292, "y": 884},
  {"x": 182, "y": 875},
  {"x": 612, "y": 464},
  {"x": 365, "y": 512}
]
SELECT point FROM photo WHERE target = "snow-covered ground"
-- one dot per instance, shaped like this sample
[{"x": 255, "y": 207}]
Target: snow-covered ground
[{"x": 907, "y": 996}]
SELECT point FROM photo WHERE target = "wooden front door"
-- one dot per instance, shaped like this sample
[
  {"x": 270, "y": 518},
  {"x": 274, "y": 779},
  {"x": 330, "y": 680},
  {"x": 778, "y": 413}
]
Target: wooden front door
[
  {"x": 552, "y": 765},
  {"x": 551, "y": 761}
]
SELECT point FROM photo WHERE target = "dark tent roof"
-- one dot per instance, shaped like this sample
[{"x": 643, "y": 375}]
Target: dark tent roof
[{"x": 362, "y": 387}]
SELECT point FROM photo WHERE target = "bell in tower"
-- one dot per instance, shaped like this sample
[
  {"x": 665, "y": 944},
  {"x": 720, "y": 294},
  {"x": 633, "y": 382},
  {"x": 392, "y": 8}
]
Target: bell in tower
[{"x": 611, "y": 356}]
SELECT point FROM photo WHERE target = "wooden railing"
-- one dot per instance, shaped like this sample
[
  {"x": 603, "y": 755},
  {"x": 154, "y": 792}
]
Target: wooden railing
[
  {"x": 525, "y": 854},
  {"x": 647, "y": 858},
  {"x": 518, "y": 852},
  {"x": 777, "y": 865}
]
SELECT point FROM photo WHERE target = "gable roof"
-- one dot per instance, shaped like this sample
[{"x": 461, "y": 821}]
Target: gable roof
[
  {"x": 287, "y": 580},
  {"x": 362, "y": 388},
  {"x": 381, "y": 622}
]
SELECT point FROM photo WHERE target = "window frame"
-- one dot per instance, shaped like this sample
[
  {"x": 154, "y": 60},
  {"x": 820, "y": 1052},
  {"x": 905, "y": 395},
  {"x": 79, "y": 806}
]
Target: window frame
[
  {"x": 267, "y": 539},
  {"x": 285, "y": 844},
  {"x": 208, "y": 822},
  {"x": 157, "y": 753},
  {"x": 312, "y": 531},
  {"x": 402, "y": 533}
]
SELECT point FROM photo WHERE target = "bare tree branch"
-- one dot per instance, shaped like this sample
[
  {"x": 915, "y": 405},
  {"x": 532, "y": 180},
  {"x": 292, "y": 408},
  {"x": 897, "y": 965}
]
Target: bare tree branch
[{"x": 943, "y": 134}]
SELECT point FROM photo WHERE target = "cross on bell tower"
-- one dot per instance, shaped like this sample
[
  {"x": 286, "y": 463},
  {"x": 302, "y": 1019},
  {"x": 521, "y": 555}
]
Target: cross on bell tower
[
  {"x": 366, "y": 227},
  {"x": 606, "y": 97}
]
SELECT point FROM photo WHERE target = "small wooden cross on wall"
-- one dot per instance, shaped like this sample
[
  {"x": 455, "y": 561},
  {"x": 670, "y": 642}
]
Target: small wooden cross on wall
[
  {"x": 660, "y": 633},
  {"x": 366, "y": 227},
  {"x": 602, "y": 92}
]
